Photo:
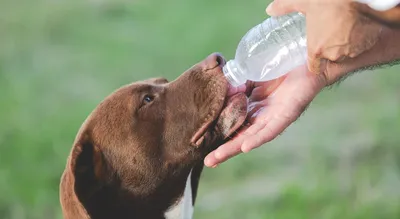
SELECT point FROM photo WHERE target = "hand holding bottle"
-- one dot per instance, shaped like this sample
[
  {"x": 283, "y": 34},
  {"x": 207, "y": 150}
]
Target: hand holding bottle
[
  {"x": 335, "y": 29},
  {"x": 275, "y": 104}
]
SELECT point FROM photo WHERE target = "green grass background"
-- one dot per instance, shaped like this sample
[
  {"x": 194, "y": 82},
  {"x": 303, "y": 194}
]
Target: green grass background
[{"x": 58, "y": 59}]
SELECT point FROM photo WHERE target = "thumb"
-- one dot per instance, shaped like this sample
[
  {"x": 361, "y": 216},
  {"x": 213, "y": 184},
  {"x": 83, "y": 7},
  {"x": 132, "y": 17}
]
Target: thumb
[
  {"x": 316, "y": 64},
  {"x": 280, "y": 7},
  {"x": 315, "y": 60}
]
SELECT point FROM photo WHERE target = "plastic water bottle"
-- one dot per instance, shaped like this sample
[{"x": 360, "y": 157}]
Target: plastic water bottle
[{"x": 269, "y": 50}]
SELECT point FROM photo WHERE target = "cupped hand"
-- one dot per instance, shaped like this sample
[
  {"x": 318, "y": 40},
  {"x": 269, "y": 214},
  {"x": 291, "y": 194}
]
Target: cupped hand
[{"x": 273, "y": 106}]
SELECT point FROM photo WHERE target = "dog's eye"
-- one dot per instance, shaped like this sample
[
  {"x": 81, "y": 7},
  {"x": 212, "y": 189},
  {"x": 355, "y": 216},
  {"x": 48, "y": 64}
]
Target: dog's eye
[{"x": 148, "y": 99}]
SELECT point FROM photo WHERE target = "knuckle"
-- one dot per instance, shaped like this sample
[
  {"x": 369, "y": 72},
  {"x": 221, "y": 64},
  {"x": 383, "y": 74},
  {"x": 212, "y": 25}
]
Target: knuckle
[
  {"x": 353, "y": 55},
  {"x": 315, "y": 52},
  {"x": 334, "y": 56}
]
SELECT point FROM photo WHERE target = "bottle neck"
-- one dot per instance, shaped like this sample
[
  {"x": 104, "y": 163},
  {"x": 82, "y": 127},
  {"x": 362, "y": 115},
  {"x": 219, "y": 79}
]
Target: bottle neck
[{"x": 233, "y": 74}]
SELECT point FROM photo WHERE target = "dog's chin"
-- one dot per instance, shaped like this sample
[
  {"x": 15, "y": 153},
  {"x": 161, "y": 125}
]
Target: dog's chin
[
  {"x": 229, "y": 121},
  {"x": 232, "y": 116}
]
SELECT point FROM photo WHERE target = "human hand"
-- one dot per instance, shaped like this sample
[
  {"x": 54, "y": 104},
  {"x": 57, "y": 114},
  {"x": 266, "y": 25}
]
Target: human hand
[
  {"x": 273, "y": 106},
  {"x": 335, "y": 29}
]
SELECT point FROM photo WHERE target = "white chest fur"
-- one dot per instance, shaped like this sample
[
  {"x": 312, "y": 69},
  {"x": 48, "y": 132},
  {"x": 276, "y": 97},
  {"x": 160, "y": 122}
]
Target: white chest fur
[{"x": 184, "y": 208}]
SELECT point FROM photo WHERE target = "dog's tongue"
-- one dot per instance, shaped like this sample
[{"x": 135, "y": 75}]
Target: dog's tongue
[
  {"x": 234, "y": 113},
  {"x": 234, "y": 90}
]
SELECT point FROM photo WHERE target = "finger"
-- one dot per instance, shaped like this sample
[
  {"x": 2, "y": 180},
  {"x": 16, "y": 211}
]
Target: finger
[
  {"x": 257, "y": 140},
  {"x": 232, "y": 147},
  {"x": 316, "y": 64},
  {"x": 263, "y": 89},
  {"x": 269, "y": 132},
  {"x": 280, "y": 7},
  {"x": 224, "y": 152}
]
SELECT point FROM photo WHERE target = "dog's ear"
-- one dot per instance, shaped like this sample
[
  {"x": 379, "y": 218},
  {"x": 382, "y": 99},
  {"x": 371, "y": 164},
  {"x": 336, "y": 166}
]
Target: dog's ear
[{"x": 88, "y": 166}]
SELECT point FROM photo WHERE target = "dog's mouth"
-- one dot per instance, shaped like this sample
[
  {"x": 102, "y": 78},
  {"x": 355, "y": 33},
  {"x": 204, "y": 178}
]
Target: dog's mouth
[
  {"x": 228, "y": 111},
  {"x": 230, "y": 117},
  {"x": 233, "y": 115}
]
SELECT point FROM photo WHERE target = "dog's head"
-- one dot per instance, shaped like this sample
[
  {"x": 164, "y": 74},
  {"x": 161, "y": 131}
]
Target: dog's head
[{"x": 144, "y": 138}]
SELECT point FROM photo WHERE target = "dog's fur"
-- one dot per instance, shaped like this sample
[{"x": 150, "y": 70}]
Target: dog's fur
[{"x": 132, "y": 156}]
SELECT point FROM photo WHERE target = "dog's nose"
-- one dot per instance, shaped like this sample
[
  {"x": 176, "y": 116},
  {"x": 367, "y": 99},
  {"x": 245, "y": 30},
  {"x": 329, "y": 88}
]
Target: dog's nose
[{"x": 214, "y": 60}]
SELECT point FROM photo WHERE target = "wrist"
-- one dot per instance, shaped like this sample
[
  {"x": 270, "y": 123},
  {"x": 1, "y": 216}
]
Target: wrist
[
  {"x": 380, "y": 5},
  {"x": 389, "y": 17},
  {"x": 386, "y": 50}
]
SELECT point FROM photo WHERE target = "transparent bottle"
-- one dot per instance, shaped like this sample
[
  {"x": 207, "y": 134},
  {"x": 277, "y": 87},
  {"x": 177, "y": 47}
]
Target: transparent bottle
[{"x": 269, "y": 50}]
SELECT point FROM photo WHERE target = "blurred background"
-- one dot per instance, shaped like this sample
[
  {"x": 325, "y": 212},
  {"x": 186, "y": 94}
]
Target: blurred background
[{"x": 59, "y": 59}]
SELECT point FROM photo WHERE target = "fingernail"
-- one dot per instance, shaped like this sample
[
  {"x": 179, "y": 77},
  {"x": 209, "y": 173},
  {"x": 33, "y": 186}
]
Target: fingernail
[
  {"x": 269, "y": 8},
  {"x": 245, "y": 149},
  {"x": 207, "y": 162},
  {"x": 215, "y": 166}
]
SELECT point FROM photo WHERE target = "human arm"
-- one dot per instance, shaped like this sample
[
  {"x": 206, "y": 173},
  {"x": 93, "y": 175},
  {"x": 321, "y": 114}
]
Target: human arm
[
  {"x": 387, "y": 14},
  {"x": 385, "y": 52}
]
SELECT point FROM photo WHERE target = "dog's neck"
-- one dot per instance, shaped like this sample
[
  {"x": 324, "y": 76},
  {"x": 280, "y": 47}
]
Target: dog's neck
[
  {"x": 184, "y": 208},
  {"x": 180, "y": 209}
]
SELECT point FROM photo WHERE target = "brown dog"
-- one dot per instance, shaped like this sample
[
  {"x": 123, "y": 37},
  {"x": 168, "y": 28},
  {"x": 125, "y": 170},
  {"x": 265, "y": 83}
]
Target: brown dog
[{"x": 145, "y": 143}]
